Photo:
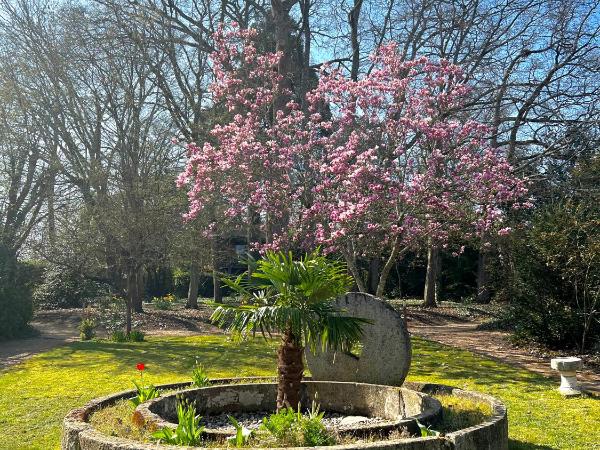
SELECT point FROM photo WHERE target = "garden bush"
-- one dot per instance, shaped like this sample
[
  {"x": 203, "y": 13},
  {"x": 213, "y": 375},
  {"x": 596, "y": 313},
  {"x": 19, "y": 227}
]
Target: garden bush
[
  {"x": 165, "y": 302},
  {"x": 87, "y": 329},
  {"x": 16, "y": 309},
  {"x": 552, "y": 282},
  {"x": 137, "y": 336},
  {"x": 66, "y": 288}
]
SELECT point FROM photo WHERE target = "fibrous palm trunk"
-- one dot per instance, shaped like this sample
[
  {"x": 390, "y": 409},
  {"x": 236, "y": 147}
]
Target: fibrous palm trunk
[{"x": 290, "y": 369}]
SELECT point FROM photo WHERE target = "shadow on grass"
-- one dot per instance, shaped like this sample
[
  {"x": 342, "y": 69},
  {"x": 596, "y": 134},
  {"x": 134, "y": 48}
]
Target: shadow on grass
[
  {"x": 519, "y": 445},
  {"x": 167, "y": 355},
  {"x": 431, "y": 359}
]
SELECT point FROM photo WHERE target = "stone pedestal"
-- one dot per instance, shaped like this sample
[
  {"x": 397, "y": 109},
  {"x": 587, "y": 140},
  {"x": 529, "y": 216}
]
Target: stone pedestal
[{"x": 568, "y": 367}]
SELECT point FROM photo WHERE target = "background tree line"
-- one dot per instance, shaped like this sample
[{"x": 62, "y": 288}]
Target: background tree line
[{"x": 93, "y": 92}]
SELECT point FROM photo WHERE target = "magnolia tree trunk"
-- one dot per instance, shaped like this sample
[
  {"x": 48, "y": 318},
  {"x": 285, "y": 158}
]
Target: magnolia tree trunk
[
  {"x": 387, "y": 267},
  {"x": 374, "y": 265},
  {"x": 290, "y": 369},
  {"x": 353, "y": 268},
  {"x": 430, "y": 297}
]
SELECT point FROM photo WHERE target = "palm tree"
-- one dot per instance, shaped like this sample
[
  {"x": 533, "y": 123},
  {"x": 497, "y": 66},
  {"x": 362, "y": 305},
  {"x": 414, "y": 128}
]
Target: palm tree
[{"x": 297, "y": 299}]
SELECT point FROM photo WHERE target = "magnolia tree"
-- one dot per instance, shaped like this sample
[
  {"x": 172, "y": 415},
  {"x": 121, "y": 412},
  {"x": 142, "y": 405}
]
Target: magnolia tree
[{"x": 373, "y": 167}]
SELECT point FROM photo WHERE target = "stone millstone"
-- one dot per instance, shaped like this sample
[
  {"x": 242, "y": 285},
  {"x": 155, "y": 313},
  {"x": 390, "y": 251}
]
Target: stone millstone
[{"x": 386, "y": 350}]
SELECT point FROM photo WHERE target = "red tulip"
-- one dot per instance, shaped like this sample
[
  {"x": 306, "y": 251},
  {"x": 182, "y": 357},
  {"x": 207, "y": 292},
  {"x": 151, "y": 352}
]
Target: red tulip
[{"x": 140, "y": 366}]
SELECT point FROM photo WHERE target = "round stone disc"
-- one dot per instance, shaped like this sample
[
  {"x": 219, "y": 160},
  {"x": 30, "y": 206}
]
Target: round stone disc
[{"x": 386, "y": 351}]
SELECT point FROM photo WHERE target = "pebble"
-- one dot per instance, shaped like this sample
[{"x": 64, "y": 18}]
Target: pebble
[{"x": 253, "y": 420}]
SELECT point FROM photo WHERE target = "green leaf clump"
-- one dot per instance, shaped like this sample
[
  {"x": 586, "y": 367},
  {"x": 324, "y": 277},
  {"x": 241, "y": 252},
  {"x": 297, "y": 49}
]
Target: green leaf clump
[{"x": 188, "y": 431}]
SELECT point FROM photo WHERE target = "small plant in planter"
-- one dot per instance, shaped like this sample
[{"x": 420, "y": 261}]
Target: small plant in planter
[
  {"x": 297, "y": 299},
  {"x": 242, "y": 434},
  {"x": 291, "y": 428},
  {"x": 188, "y": 431},
  {"x": 144, "y": 393}
]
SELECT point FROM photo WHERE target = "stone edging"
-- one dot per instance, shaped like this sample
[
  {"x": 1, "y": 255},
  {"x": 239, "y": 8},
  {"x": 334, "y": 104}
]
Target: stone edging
[
  {"x": 78, "y": 434},
  {"x": 430, "y": 409}
]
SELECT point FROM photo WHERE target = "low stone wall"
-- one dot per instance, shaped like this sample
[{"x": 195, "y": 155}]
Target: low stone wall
[
  {"x": 78, "y": 434},
  {"x": 489, "y": 435},
  {"x": 400, "y": 406}
]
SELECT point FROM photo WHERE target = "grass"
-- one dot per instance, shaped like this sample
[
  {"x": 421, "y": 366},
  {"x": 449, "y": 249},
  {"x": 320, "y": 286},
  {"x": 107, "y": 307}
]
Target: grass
[
  {"x": 459, "y": 413},
  {"x": 35, "y": 395},
  {"x": 116, "y": 421}
]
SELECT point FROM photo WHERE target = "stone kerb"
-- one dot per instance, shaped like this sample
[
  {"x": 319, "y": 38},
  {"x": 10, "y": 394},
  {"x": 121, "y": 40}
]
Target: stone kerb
[
  {"x": 386, "y": 349},
  {"x": 399, "y": 406},
  {"x": 78, "y": 434},
  {"x": 489, "y": 435}
]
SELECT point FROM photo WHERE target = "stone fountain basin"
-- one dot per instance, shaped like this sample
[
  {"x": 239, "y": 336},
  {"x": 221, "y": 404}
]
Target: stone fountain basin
[{"x": 399, "y": 406}]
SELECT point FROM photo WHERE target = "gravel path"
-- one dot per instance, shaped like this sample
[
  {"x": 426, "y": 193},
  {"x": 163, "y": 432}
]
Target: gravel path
[
  {"x": 59, "y": 327},
  {"x": 495, "y": 345},
  {"x": 54, "y": 328}
]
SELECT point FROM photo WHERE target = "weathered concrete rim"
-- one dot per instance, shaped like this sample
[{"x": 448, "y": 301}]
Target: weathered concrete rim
[
  {"x": 429, "y": 409},
  {"x": 497, "y": 423},
  {"x": 492, "y": 434}
]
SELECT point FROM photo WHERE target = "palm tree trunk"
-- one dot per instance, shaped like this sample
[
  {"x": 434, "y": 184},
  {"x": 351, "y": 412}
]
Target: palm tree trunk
[{"x": 290, "y": 370}]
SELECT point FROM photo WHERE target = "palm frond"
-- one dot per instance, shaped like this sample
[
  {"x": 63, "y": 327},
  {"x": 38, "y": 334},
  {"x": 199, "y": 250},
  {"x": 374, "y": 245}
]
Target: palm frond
[{"x": 283, "y": 294}]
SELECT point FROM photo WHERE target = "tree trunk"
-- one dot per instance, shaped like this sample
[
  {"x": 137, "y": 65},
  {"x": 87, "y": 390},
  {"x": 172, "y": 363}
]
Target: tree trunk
[
  {"x": 352, "y": 267},
  {"x": 128, "y": 304},
  {"x": 290, "y": 370},
  {"x": 136, "y": 294},
  {"x": 483, "y": 292},
  {"x": 51, "y": 215},
  {"x": 217, "y": 295},
  {"x": 285, "y": 44},
  {"x": 192, "y": 298},
  {"x": 374, "y": 265},
  {"x": 385, "y": 272},
  {"x": 430, "y": 297}
]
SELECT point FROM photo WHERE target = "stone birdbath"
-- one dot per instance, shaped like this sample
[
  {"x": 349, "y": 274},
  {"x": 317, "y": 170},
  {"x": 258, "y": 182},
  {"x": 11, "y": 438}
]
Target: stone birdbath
[{"x": 568, "y": 367}]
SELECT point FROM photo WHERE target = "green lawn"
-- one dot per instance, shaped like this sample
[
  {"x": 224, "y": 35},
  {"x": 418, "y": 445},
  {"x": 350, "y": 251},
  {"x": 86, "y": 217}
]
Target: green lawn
[{"x": 35, "y": 395}]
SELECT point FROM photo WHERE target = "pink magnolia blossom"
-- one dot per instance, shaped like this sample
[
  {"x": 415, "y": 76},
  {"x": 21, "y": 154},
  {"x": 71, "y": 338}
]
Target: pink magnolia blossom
[{"x": 368, "y": 167}]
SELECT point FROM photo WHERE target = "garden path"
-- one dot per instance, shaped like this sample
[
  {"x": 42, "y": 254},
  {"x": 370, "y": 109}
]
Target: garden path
[
  {"x": 495, "y": 345},
  {"x": 58, "y": 327},
  {"x": 50, "y": 329}
]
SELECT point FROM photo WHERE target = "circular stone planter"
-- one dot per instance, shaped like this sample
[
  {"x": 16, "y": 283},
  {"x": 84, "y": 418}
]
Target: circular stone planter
[
  {"x": 411, "y": 401},
  {"x": 398, "y": 406}
]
